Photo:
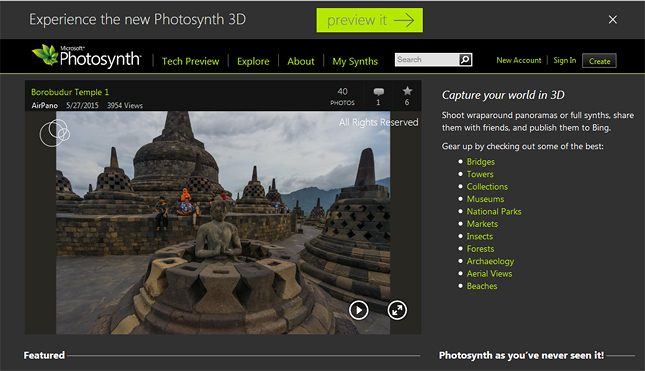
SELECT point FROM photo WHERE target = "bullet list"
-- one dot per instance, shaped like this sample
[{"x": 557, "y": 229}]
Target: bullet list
[{"x": 460, "y": 223}]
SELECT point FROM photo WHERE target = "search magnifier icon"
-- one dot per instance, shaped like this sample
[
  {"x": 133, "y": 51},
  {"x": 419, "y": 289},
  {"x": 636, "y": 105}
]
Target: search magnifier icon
[{"x": 466, "y": 59}]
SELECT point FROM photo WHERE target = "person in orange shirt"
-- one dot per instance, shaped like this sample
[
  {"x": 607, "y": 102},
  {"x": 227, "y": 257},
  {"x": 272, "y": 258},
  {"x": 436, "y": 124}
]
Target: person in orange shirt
[{"x": 185, "y": 195}]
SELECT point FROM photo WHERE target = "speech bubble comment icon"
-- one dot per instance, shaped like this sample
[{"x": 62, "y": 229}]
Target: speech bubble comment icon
[{"x": 379, "y": 91}]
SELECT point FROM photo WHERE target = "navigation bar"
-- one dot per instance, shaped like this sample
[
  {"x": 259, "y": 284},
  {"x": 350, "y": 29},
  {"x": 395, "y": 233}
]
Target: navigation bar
[{"x": 320, "y": 56}]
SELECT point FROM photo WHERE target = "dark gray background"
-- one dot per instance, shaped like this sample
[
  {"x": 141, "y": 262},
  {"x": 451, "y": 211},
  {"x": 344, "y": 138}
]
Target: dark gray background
[
  {"x": 289, "y": 20},
  {"x": 407, "y": 263},
  {"x": 578, "y": 275},
  {"x": 579, "y": 249}
]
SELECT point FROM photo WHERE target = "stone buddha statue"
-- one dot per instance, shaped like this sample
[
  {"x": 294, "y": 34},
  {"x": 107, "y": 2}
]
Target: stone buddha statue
[{"x": 217, "y": 237}]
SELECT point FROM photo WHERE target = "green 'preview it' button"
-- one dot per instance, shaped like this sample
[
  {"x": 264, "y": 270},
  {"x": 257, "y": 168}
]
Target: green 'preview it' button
[{"x": 369, "y": 20}]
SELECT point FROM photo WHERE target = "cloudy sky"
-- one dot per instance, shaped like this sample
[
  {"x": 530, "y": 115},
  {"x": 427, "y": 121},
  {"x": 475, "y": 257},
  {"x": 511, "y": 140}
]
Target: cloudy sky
[{"x": 299, "y": 149}]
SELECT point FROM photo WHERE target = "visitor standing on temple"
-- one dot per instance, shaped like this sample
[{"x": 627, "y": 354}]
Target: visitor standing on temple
[{"x": 161, "y": 207}]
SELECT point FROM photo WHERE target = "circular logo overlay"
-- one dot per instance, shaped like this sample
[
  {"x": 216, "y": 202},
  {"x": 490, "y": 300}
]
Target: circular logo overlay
[{"x": 53, "y": 133}]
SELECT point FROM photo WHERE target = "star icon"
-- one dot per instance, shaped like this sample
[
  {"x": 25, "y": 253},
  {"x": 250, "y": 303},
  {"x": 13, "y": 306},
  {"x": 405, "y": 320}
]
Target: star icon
[{"x": 407, "y": 91}]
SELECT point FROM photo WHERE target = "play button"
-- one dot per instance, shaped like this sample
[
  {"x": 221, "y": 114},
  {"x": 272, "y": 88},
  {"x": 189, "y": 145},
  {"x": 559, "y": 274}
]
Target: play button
[{"x": 358, "y": 310}]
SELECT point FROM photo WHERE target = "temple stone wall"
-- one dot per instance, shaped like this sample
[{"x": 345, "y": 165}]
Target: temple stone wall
[
  {"x": 152, "y": 169},
  {"x": 264, "y": 227},
  {"x": 136, "y": 234}
]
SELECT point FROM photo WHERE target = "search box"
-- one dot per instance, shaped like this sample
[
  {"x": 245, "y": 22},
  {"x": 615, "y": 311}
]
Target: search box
[{"x": 433, "y": 59}]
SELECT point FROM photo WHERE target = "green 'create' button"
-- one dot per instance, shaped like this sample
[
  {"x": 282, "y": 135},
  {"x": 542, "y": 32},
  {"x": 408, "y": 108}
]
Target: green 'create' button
[{"x": 369, "y": 20}]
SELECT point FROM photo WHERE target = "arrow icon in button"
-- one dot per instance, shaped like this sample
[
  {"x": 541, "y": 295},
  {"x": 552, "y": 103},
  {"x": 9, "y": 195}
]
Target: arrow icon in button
[{"x": 410, "y": 20}]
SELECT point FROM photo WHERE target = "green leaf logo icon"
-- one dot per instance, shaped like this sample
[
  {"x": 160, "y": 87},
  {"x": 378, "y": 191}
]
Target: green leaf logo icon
[{"x": 48, "y": 54}]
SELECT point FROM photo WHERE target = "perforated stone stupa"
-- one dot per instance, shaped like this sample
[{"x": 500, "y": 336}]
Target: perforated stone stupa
[
  {"x": 113, "y": 193},
  {"x": 351, "y": 257},
  {"x": 253, "y": 198},
  {"x": 162, "y": 167},
  {"x": 199, "y": 186},
  {"x": 317, "y": 215},
  {"x": 273, "y": 195},
  {"x": 66, "y": 200}
]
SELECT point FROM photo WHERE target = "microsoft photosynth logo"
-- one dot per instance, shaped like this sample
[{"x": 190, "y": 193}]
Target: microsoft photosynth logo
[{"x": 47, "y": 54}]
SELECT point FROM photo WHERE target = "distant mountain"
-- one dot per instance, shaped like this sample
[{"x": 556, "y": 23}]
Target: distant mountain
[
  {"x": 308, "y": 196},
  {"x": 385, "y": 182}
]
